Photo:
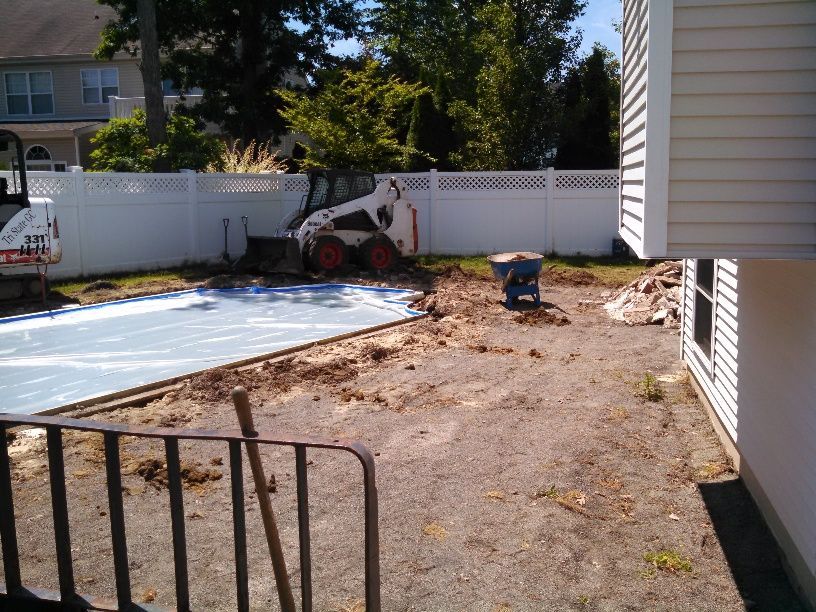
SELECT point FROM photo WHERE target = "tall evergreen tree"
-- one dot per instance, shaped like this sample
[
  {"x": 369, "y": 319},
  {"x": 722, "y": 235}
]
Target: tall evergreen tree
[{"x": 586, "y": 140}]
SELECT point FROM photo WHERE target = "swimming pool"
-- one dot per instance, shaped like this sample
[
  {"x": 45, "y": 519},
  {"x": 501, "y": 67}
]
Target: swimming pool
[{"x": 48, "y": 360}]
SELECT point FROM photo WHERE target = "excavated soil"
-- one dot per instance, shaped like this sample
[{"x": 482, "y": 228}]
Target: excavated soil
[{"x": 520, "y": 466}]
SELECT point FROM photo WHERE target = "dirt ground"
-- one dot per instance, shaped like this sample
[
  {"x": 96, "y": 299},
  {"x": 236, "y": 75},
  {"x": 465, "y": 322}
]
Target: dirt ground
[{"x": 543, "y": 460}]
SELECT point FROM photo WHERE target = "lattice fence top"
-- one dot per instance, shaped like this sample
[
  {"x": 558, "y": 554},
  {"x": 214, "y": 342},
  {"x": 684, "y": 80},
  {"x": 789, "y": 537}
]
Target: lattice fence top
[
  {"x": 244, "y": 183},
  {"x": 414, "y": 183},
  {"x": 50, "y": 187},
  {"x": 113, "y": 184},
  {"x": 586, "y": 181},
  {"x": 493, "y": 182},
  {"x": 296, "y": 182}
]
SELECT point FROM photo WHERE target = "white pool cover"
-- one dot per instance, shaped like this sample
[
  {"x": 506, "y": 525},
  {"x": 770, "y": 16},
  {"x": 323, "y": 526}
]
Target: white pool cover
[{"x": 48, "y": 360}]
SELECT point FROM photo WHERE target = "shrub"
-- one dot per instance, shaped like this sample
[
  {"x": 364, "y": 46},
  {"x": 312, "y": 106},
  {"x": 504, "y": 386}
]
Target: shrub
[{"x": 123, "y": 146}]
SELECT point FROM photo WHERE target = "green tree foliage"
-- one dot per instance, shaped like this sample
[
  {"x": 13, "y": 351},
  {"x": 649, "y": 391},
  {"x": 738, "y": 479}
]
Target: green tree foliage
[
  {"x": 431, "y": 131},
  {"x": 354, "y": 120},
  {"x": 589, "y": 133},
  {"x": 504, "y": 60},
  {"x": 237, "y": 51},
  {"x": 123, "y": 146}
]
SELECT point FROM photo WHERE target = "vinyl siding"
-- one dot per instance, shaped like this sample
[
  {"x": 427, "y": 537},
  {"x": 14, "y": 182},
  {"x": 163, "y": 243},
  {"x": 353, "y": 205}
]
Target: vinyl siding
[
  {"x": 633, "y": 121},
  {"x": 742, "y": 178},
  {"x": 67, "y": 87},
  {"x": 717, "y": 373},
  {"x": 761, "y": 385}
]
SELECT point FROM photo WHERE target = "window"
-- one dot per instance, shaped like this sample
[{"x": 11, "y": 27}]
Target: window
[
  {"x": 98, "y": 84},
  {"x": 29, "y": 93},
  {"x": 704, "y": 303},
  {"x": 38, "y": 159}
]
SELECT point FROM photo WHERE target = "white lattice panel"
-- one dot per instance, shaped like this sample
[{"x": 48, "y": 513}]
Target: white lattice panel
[
  {"x": 414, "y": 183},
  {"x": 50, "y": 187},
  {"x": 116, "y": 184},
  {"x": 493, "y": 182},
  {"x": 586, "y": 181},
  {"x": 296, "y": 183},
  {"x": 260, "y": 183}
]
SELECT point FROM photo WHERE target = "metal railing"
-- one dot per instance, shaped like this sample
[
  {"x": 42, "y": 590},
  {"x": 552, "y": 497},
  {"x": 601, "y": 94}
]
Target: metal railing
[{"x": 15, "y": 593}]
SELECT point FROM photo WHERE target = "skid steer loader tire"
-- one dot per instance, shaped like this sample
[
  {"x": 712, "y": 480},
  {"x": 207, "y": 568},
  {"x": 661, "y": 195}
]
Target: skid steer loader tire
[
  {"x": 378, "y": 254},
  {"x": 327, "y": 253}
]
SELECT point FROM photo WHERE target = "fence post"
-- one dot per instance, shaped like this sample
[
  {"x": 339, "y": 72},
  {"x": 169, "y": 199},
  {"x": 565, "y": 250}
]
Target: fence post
[
  {"x": 192, "y": 198},
  {"x": 82, "y": 225},
  {"x": 550, "y": 233},
  {"x": 433, "y": 188}
]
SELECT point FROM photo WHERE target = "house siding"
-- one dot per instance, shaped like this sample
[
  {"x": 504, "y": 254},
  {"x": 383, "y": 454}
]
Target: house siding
[
  {"x": 633, "y": 120},
  {"x": 742, "y": 179},
  {"x": 761, "y": 386},
  {"x": 67, "y": 87}
]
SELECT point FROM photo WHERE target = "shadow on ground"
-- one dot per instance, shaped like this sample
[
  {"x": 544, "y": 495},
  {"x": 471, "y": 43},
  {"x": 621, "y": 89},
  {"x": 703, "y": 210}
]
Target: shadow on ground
[{"x": 749, "y": 547}]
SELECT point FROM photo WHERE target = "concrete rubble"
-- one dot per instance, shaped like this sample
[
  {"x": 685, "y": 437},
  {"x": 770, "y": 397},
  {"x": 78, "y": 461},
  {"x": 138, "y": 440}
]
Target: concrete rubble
[{"x": 653, "y": 298}]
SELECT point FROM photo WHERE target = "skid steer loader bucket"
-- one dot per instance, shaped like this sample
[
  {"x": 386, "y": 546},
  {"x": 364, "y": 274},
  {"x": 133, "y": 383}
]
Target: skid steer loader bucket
[{"x": 277, "y": 255}]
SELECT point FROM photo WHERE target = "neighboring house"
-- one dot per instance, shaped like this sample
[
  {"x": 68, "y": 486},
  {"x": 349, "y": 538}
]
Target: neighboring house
[
  {"x": 53, "y": 92},
  {"x": 718, "y": 166}
]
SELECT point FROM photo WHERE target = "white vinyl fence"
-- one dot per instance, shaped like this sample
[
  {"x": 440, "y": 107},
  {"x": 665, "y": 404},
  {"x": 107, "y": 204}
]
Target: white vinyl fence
[{"x": 119, "y": 222}]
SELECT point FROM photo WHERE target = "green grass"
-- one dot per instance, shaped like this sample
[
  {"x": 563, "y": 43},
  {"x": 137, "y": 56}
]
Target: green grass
[
  {"x": 610, "y": 271},
  {"x": 649, "y": 388},
  {"x": 132, "y": 279},
  {"x": 668, "y": 561}
]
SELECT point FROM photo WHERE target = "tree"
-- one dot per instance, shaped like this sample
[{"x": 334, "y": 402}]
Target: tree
[
  {"x": 151, "y": 78},
  {"x": 354, "y": 120},
  {"x": 237, "y": 51},
  {"x": 524, "y": 46},
  {"x": 504, "y": 60},
  {"x": 431, "y": 131},
  {"x": 124, "y": 146},
  {"x": 589, "y": 134}
]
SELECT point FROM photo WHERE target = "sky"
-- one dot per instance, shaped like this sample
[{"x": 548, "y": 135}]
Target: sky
[{"x": 596, "y": 23}]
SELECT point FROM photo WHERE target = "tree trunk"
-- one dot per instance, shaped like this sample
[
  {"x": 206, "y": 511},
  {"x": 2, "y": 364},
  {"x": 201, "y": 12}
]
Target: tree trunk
[{"x": 151, "y": 77}]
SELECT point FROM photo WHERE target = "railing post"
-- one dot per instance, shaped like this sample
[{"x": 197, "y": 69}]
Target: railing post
[
  {"x": 550, "y": 210},
  {"x": 433, "y": 194}
]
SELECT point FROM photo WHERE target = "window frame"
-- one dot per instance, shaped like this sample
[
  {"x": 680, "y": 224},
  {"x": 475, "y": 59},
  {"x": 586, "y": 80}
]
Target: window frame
[
  {"x": 99, "y": 86},
  {"x": 28, "y": 93},
  {"x": 50, "y": 162},
  {"x": 711, "y": 298}
]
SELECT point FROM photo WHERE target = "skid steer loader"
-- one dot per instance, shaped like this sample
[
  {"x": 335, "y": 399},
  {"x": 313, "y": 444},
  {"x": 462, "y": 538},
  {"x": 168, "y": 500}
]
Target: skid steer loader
[
  {"x": 344, "y": 217},
  {"x": 29, "y": 234}
]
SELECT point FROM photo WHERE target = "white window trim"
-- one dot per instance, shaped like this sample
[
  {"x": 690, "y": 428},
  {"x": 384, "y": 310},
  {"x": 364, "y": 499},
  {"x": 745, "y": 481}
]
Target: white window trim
[
  {"x": 705, "y": 359},
  {"x": 44, "y": 162},
  {"x": 82, "y": 88},
  {"x": 6, "y": 94}
]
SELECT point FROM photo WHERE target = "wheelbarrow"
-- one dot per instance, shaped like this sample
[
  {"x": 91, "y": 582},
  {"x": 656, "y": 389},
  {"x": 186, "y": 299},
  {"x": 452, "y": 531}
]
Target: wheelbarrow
[{"x": 518, "y": 273}]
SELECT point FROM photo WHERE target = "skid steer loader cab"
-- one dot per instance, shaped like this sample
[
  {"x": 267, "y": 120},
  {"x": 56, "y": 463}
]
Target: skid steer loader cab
[
  {"x": 13, "y": 189},
  {"x": 330, "y": 188},
  {"x": 29, "y": 234}
]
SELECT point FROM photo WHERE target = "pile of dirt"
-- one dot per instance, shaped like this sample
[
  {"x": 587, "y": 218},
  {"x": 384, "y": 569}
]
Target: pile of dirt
[
  {"x": 293, "y": 371},
  {"x": 216, "y": 385},
  {"x": 154, "y": 472},
  {"x": 99, "y": 285},
  {"x": 540, "y": 316},
  {"x": 652, "y": 298},
  {"x": 570, "y": 278}
]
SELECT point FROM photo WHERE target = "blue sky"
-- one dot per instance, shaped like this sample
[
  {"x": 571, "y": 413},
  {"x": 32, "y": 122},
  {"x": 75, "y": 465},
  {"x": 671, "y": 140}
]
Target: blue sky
[{"x": 596, "y": 23}]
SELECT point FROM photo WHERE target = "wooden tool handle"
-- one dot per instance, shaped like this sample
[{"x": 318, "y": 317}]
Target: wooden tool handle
[{"x": 244, "y": 412}]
